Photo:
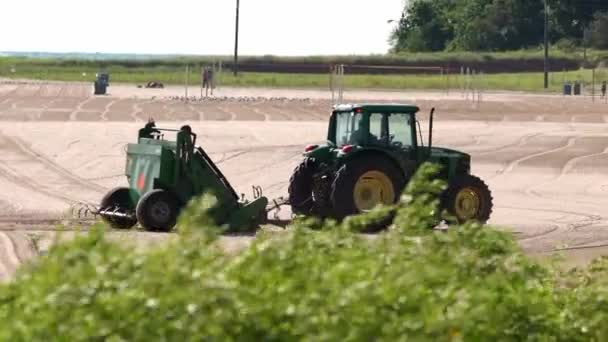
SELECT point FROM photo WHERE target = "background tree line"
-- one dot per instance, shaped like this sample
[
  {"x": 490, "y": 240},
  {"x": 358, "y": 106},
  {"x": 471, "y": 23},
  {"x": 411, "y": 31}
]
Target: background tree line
[{"x": 499, "y": 25}]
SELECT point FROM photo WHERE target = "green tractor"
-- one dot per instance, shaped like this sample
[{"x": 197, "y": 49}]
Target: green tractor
[
  {"x": 164, "y": 176},
  {"x": 371, "y": 153}
]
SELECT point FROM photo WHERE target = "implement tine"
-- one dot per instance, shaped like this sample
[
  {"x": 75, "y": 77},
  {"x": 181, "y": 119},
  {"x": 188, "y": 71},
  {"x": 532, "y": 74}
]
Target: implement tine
[{"x": 82, "y": 210}]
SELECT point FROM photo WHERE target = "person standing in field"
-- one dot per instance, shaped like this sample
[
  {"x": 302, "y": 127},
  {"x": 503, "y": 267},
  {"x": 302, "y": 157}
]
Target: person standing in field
[
  {"x": 211, "y": 79},
  {"x": 205, "y": 77},
  {"x": 603, "y": 88}
]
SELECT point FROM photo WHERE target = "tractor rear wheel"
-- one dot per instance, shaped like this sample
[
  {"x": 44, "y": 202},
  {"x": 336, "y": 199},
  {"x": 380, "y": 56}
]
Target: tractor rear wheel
[
  {"x": 365, "y": 182},
  {"x": 157, "y": 211},
  {"x": 468, "y": 198},
  {"x": 301, "y": 188},
  {"x": 118, "y": 198}
]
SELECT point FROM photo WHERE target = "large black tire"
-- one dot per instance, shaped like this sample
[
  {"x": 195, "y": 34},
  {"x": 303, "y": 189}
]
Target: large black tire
[
  {"x": 301, "y": 187},
  {"x": 118, "y": 198},
  {"x": 157, "y": 211},
  {"x": 468, "y": 198},
  {"x": 343, "y": 187}
]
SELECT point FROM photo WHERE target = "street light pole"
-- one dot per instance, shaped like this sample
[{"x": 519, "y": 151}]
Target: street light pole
[
  {"x": 546, "y": 47},
  {"x": 236, "y": 41}
]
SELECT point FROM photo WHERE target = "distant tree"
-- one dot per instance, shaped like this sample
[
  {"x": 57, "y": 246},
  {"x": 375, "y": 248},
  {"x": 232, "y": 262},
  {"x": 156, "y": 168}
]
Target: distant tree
[
  {"x": 498, "y": 25},
  {"x": 570, "y": 18},
  {"x": 491, "y": 25},
  {"x": 598, "y": 32},
  {"x": 423, "y": 27}
]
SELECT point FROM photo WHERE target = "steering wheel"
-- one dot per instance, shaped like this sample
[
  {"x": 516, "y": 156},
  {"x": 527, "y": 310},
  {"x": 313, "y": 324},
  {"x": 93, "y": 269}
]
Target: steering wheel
[{"x": 391, "y": 140}]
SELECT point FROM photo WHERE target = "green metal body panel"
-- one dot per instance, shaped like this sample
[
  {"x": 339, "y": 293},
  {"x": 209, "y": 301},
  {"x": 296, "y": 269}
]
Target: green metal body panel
[
  {"x": 406, "y": 157},
  {"x": 186, "y": 171}
]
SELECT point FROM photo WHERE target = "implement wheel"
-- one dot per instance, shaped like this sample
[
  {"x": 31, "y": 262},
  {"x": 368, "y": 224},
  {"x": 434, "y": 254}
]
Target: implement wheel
[
  {"x": 157, "y": 211},
  {"x": 468, "y": 198},
  {"x": 364, "y": 183},
  {"x": 118, "y": 198}
]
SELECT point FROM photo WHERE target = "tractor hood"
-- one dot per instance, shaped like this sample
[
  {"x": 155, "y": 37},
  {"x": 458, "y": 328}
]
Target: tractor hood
[
  {"x": 457, "y": 162},
  {"x": 442, "y": 152}
]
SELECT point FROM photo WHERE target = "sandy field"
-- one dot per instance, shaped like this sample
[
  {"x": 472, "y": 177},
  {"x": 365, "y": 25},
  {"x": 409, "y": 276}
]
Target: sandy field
[{"x": 544, "y": 157}]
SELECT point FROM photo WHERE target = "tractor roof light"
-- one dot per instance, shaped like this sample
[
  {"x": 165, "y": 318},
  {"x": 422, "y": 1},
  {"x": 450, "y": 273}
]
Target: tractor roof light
[
  {"x": 347, "y": 148},
  {"x": 310, "y": 148}
]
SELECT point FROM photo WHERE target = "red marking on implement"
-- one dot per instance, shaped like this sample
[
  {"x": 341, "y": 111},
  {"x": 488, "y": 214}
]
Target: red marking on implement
[{"x": 141, "y": 181}]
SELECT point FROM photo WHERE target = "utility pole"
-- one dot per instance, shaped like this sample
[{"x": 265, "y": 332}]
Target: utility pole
[
  {"x": 546, "y": 46},
  {"x": 236, "y": 41},
  {"x": 585, "y": 47}
]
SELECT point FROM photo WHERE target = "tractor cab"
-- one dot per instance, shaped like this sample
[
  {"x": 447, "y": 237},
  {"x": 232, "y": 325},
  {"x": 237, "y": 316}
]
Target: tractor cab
[{"x": 374, "y": 125}]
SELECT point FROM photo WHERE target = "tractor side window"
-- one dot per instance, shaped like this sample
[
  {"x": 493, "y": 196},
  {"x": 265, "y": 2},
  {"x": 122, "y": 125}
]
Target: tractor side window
[
  {"x": 348, "y": 128},
  {"x": 375, "y": 129},
  {"x": 400, "y": 130}
]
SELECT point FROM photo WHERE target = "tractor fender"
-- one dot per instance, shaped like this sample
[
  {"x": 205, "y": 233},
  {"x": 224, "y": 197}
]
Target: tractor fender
[
  {"x": 322, "y": 153},
  {"x": 407, "y": 169}
]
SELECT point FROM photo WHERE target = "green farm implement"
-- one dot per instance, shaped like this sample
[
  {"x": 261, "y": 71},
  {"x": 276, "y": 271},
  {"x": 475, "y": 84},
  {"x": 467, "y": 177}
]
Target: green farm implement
[{"x": 165, "y": 175}]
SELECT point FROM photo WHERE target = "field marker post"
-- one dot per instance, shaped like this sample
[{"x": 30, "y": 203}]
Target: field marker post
[
  {"x": 470, "y": 83},
  {"x": 331, "y": 83},
  {"x": 563, "y": 82},
  {"x": 218, "y": 68},
  {"x": 475, "y": 88},
  {"x": 201, "y": 75},
  {"x": 341, "y": 83},
  {"x": 219, "y": 75},
  {"x": 479, "y": 86},
  {"x": 593, "y": 85},
  {"x": 443, "y": 79},
  {"x": 461, "y": 81},
  {"x": 448, "y": 75},
  {"x": 473, "y": 84},
  {"x": 187, "y": 80}
]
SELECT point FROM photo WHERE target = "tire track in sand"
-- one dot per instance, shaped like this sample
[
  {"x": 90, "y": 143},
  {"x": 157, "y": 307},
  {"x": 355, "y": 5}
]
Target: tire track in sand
[
  {"x": 571, "y": 220},
  {"x": 588, "y": 219},
  {"x": 50, "y": 164},
  {"x": 16, "y": 248},
  {"x": 23, "y": 166},
  {"x": 512, "y": 165}
]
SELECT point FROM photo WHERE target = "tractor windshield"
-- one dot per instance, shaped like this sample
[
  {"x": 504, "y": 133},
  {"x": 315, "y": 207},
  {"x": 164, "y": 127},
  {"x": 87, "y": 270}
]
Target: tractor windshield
[
  {"x": 348, "y": 128},
  {"x": 384, "y": 129}
]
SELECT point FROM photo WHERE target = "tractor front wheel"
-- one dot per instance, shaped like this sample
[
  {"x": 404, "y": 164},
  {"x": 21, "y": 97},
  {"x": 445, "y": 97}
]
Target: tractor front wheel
[
  {"x": 157, "y": 211},
  {"x": 365, "y": 182},
  {"x": 118, "y": 199},
  {"x": 468, "y": 198}
]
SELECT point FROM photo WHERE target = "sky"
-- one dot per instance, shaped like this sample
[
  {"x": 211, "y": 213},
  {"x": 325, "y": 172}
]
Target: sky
[{"x": 267, "y": 27}]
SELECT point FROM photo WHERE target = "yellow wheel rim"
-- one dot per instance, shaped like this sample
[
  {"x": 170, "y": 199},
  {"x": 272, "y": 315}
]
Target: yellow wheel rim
[
  {"x": 373, "y": 188},
  {"x": 468, "y": 204}
]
